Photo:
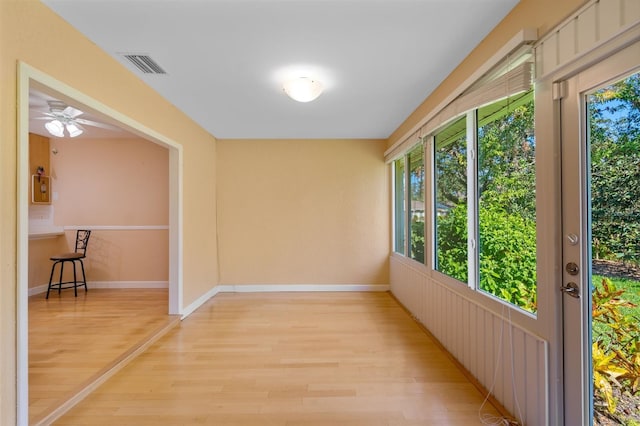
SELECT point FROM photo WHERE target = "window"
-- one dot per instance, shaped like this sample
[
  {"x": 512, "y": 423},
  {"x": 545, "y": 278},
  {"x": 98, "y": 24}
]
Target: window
[
  {"x": 416, "y": 199},
  {"x": 409, "y": 175},
  {"x": 482, "y": 209},
  {"x": 450, "y": 213},
  {"x": 506, "y": 200},
  {"x": 399, "y": 205}
]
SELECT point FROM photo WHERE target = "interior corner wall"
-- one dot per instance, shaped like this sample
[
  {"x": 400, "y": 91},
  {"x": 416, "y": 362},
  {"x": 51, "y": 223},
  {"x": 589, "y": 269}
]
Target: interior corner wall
[
  {"x": 30, "y": 32},
  {"x": 303, "y": 212}
]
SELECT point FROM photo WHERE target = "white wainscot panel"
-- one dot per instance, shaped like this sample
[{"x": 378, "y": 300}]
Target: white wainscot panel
[
  {"x": 504, "y": 358},
  {"x": 597, "y": 22}
]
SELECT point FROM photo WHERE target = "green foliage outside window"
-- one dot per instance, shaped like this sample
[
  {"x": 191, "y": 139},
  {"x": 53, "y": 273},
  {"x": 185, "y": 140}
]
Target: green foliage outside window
[
  {"x": 451, "y": 200},
  {"x": 416, "y": 198},
  {"x": 506, "y": 202},
  {"x": 614, "y": 126},
  {"x": 614, "y": 136}
]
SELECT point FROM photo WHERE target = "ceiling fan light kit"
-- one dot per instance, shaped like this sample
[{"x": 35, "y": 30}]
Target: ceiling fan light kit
[
  {"x": 55, "y": 127},
  {"x": 62, "y": 117},
  {"x": 74, "y": 130}
]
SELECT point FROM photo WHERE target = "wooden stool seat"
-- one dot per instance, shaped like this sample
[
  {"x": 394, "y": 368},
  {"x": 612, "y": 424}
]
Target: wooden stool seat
[{"x": 67, "y": 256}]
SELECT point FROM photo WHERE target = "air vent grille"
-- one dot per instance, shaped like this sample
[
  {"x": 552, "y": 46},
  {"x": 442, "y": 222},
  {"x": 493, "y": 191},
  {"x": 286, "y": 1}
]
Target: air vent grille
[{"x": 144, "y": 63}]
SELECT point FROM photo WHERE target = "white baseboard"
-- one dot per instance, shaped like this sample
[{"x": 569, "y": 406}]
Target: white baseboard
[
  {"x": 270, "y": 288},
  {"x": 109, "y": 284},
  {"x": 227, "y": 288},
  {"x": 200, "y": 301}
]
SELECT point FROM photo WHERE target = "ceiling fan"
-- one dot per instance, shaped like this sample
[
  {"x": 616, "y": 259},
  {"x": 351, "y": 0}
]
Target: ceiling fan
[{"x": 62, "y": 116}]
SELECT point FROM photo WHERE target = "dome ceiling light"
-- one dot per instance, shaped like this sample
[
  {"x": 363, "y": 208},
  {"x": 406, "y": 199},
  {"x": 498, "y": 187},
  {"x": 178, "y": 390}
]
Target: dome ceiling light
[{"x": 303, "y": 89}]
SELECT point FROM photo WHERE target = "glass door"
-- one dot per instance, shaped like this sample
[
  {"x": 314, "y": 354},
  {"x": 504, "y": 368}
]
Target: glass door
[{"x": 600, "y": 115}]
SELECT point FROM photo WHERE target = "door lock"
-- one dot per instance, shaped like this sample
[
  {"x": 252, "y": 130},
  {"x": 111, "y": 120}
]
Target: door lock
[
  {"x": 572, "y": 268},
  {"x": 571, "y": 289}
]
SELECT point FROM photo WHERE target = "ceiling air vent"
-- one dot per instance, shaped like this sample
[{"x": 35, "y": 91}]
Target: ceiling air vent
[{"x": 144, "y": 63}]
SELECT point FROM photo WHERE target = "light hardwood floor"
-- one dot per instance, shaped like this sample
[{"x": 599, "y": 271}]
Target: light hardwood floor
[
  {"x": 313, "y": 359},
  {"x": 75, "y": 341}
]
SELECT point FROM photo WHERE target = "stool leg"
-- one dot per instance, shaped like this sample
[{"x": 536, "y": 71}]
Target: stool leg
[
  {"x": 53, "y": 268},
  {"x": 60, "y": 283},
  {"x": 75, "y": 281},
  {"x": 84, "y": 277}
]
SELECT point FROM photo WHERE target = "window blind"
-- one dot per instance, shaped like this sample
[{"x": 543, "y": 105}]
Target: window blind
[{"x": 501, "y": 82}]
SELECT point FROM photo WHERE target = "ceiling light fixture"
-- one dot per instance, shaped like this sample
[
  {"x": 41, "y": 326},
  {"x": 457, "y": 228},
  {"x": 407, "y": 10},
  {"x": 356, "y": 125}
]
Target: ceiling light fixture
[
  {"x": 303, "y": 89},
  {"x": 74, "y": 130},
  {"x": 56, "y": 128}
]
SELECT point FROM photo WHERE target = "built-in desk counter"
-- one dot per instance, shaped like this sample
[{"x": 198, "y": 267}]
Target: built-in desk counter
[
  {"x": 40, "y": 234},
  {"x": 41, "y": 223},
  {"x": 45, "y": 240}
]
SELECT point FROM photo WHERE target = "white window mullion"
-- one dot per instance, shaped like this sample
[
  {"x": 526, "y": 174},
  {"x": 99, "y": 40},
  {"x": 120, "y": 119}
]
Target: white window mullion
[
  {"x": 429, "y": 203},
  {"x": 393, "y": 210},
  {"x": 407, "y": 206},
  {"x": 472, "y": 204}
]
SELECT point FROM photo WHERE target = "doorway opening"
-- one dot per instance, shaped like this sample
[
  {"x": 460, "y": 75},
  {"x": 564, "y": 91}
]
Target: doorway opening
[{"x": 32, "y": 79}]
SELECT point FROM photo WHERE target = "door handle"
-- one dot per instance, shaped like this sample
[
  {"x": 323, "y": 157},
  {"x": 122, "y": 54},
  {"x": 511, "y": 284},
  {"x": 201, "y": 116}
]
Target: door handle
[{"x": 571, "y": 289}]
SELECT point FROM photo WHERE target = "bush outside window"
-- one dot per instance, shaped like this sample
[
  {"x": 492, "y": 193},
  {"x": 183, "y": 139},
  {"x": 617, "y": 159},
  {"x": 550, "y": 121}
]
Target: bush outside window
[
  {"x": 450, "y": 218},
  {"x": 416, "y": 199},
  {"x": 506, "y": 200}
]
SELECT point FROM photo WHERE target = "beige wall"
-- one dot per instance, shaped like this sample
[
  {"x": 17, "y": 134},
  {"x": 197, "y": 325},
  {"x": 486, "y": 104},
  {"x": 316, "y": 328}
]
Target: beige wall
[
  {"x": 113, "y": 256},
  {"x": 32, "y": 33},
  {"x": 542, "y": 15},
  {"x": 303, "y": 212},
  {"x": 110, "y": 182},
  {"x": 115, "y": 183}
]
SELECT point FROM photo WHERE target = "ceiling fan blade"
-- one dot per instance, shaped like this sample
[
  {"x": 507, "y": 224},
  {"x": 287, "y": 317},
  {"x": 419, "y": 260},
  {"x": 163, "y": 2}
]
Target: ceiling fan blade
[
  {"x": 47, "y": 116},
  {"x": 71, "y": 112},
  {"x": 95, "y": 124}
]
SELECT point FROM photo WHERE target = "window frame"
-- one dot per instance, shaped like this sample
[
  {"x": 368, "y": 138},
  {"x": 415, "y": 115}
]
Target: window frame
[
  {"x": 396, "y": 210},
  {"x": 428, "y": 144},
  {"x": 406, "y": 200}
]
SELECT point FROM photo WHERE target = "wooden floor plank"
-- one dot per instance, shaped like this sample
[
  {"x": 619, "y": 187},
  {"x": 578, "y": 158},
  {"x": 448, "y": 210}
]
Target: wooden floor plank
[
  {"x": 289, "y": 359},
  {"x": 73, "y": 341}
]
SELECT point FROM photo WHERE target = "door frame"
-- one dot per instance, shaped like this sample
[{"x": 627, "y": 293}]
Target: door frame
[
  {"x": 576, "y": 313},
  {"x": 30, "y": 77}
]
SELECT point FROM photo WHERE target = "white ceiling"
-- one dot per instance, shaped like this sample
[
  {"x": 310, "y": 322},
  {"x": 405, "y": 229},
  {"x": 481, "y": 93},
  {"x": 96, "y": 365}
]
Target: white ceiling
[{"x": 226, "y": 59}]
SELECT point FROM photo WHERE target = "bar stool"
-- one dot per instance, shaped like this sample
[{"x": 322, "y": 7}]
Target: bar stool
[{"x": 80, "y": 252}]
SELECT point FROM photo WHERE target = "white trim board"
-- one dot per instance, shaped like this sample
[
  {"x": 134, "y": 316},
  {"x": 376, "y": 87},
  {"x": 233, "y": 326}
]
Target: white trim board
[
  {"x": 117, "y": 227},
  {"x": 271, "y": 288},
  {"x": 108, "y": 284}
]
